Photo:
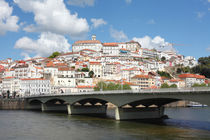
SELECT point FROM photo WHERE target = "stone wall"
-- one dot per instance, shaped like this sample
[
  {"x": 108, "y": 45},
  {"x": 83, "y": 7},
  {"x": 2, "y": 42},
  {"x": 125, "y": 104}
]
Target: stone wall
[{"x": 12, "y": 104}]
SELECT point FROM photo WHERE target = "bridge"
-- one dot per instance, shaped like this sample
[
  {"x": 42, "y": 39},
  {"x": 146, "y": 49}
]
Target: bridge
[{"x": 128, "y": 103}]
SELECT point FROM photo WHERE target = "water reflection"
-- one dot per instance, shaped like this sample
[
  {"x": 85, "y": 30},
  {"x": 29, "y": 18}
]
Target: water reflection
[{"x": 29, "y": 125}]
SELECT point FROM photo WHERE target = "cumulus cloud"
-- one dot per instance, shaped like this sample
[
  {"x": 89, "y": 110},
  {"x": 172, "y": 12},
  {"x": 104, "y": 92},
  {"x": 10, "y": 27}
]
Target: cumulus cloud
[
  {"x": 157, "y": 43},
  {"x": 200, "y": 14},
  {"x": 8, "y": 22},
  {"x": 118, "y": 35},
  {"x": 98, "y": 22},
  {"x": 208, "y": 49},
  {"x": 128, "y": 1},
  {"x": 44, "y": 46},
  {"x": 53, "y": 16},
  {"x": 81, "y": 3}
]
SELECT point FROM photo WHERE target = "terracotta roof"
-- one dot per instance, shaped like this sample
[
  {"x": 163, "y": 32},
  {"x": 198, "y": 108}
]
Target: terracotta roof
[
  {"x": 88, "y": 42},
  {"x": 85, "y": 86},
  {"x": 69, "y": 53},
  {"x": 87, "y": 50},
  {"x": 95, "y": 63},
  {"x": 188, "y": 75},
  {"x": 40, "y": 68},
  {"x": 50, "y": 64},
  {"x": 110, "y": 44},
  {"x": 33, "y": 79},
  {"x": 142, "y": 76},
  {"x": 10, "y": 77},
  {"x": 175, "y": 80},
  {"x": 129, "y": 83},
  {"x": 64, "y": 69}
]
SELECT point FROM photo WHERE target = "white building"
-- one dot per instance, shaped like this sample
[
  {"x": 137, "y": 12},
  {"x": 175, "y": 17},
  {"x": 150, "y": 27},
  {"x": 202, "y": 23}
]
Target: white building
[
  {"x": 93, "y": 44},
  {"x": 111, "y": 49},
  {"x": 191, "y": 79},
  {"x": 34, "y": 86},
  {"x": 11, "y": 85}
]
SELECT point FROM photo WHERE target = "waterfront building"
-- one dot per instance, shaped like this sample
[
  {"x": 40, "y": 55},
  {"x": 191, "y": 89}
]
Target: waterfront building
[
  {"x": 34, "y": 86},
  {"x": 191, "y": 79}
]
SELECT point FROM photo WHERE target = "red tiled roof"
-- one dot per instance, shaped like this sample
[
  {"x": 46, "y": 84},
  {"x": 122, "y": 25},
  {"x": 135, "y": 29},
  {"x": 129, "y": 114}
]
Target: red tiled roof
[
  {"x": 85, "y": 86},
  {"x": 95, "y": 63},
  {"x": 142, "y": 76},
  {"x": 175, "y": 80},
  {"x": 87, "y": 42},
  {"x": 87, "y": 50},
  {"x": 32, "y": 79},
  {"x": 188, "y": 75},
  {"x": 64, "y": 69},
  {"x": 110, "y": 44},
  {"x": 10, "y": 77}
]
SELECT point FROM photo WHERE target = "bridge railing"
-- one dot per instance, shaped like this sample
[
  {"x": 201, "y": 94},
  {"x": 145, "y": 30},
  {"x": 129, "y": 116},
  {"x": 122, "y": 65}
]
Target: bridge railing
[{"x": 155, "y": 91}]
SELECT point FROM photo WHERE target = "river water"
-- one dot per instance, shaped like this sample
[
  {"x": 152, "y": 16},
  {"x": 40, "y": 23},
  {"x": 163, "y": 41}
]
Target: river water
[{"x": 184, "y": 123}]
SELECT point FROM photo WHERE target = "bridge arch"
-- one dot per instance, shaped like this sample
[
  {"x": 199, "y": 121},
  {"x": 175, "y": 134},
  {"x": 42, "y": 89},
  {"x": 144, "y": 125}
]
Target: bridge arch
[
  {"x": 90, "y": 101},
  {"x": 35, "y": 102},
  {"x": 151, "y": 101},
  {"x": 55, "y": 101}
]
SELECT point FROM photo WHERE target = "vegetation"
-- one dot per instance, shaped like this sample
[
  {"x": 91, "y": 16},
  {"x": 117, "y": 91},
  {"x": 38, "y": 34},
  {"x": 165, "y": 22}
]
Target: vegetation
[
  {"x": 111, "y": 86},
  {"x": 183, "y": 70},
  {"x": 203, "y": 66},
  {"x": 85, "y": 69},
  {"x": 164, "y": 74},
  {"x": 163, "y": 58},
  {"x": 165, "y": 85},
  {"x": 91, "y": 74},
  {"x": 55, "y": 54},
  {"x": 173, "y": 86},
  {"x": 199, "y": 85}
]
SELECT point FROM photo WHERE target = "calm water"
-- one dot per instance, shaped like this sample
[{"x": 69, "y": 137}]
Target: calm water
[{"x": 184, "y": 123}]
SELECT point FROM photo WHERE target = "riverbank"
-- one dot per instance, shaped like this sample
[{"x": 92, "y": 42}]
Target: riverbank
[{"x": 12, "y": 104}]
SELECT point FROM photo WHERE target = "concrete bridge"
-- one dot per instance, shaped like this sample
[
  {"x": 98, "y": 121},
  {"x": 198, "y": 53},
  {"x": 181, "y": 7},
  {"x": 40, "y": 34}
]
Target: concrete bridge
[{"x": 127, "y": 102}]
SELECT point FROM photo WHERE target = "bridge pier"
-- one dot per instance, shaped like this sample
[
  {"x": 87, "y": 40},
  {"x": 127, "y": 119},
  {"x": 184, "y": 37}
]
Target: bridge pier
[
  {"x": 53, "y": 107},
  {"x": 86, "y": 110},
  {"x": 138, "y": 113}
]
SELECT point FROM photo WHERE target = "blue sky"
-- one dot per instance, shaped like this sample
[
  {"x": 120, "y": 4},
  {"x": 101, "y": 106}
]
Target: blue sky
[{"x": 31, "y": 28}]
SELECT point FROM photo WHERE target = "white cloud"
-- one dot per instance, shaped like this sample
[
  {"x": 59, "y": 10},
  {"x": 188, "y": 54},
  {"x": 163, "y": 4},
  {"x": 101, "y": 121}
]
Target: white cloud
[
  {"x": 53, "y": 16},
  {"x": 8, "y": 22},
  {"x": 157, "y": 43},
  {"x": 98, "y": 22},
  {"x": 151, "y": 21},
  {"x": 81, "y": 3},
  {"x": 118, "y": 35},
  {"x": 200, "y": 14},
  {"x": 209, "y": 1},
  {"x": 208, "y": 49},
  {"x": 44, "y": 46},
  {"x": 128, "y": 1}
]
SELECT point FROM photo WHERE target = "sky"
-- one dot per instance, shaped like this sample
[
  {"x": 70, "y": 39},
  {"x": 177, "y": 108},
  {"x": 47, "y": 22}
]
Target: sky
[{"x": 36, "y": 28}]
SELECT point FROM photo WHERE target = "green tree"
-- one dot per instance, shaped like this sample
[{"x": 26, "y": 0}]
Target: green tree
[
  {"x": 163, "y": 58},
  {"x": 165, "y": 85},
  {"x": 111, "y": 86},
  {"x": 179, "y": 70},
  {"x": 173, "y": 86},
  {"x": 199, "y": 85},
  {"x": 55, "y": 54},
  {"x": 126, "y": 87},
  {"x": 85, "y": 69},
  {"x": 203, "y": 66},
  {"x": 164, "y": 74},
  {"x": 91, "y": 74}
]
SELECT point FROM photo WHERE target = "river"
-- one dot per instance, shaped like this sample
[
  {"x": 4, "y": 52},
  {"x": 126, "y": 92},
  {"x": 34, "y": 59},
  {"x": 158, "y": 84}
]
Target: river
[{"x": 184, "y": 123}]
